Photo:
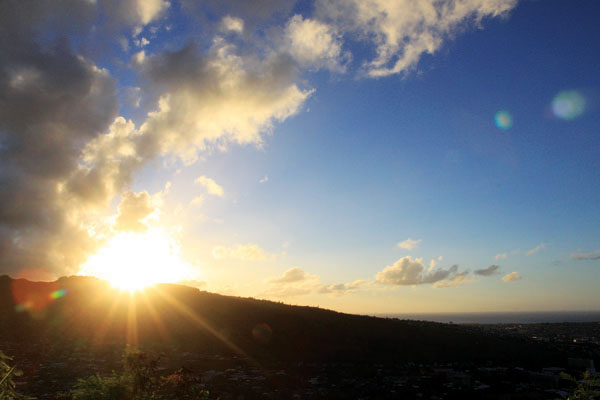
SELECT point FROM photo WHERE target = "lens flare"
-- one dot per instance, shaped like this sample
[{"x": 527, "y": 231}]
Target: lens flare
[
  {"x": 503, "y": 120},
  {"x": 57, "y": 294},
  {"x": 568, "y": 105}
]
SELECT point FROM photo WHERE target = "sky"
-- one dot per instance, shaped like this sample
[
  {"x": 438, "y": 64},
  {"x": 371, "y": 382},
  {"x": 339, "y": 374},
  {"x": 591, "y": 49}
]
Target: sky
[{"x": 367, "y": 156}]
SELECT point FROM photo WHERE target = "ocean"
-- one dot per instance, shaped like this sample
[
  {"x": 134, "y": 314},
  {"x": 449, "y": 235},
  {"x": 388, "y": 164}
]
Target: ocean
[{"x": 502, "y": 317}]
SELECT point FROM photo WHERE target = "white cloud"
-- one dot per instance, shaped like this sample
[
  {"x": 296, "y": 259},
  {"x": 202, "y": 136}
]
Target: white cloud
[
  {"x": 536, "y": 249},
  {"x": 149, "y": 10},
  {"x": 264, "y": 179},
  {"x": 513, "y": 276},
  {"x": 502, "y": 256},
  {"x": 141, "y": 42},
  {"x": 314, "y": 44},
  {"x": 409, "y": 244},
  {"x": 232, "y": 24},
  {"x": 406, "y": 272},
  {"x": 215, "y": 99},
  {"x": 247, "y": 252},
  {"x": 403, "y": 30},
  {"x": 210, "y": 185}
]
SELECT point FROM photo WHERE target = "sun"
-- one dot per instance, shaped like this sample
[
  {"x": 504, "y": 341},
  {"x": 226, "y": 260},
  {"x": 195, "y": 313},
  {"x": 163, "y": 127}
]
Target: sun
[{"x": 133, "y": 261}]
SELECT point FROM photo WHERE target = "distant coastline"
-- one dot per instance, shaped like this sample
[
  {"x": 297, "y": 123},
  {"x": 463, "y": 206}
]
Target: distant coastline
[{"x": 526, "y": 317}]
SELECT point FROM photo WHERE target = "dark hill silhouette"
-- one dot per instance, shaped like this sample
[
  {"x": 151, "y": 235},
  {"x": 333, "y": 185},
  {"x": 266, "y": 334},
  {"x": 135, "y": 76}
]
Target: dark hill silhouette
[{"x": 88, "y": 310}]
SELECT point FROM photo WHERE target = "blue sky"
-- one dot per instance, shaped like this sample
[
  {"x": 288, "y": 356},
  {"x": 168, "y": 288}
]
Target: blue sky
[{"x": 334, "y": 153}]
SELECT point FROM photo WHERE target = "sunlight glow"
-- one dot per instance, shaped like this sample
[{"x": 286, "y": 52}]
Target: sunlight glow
[{"x": 133, "y": 261}]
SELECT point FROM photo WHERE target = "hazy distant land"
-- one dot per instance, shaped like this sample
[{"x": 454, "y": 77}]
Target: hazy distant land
[{"x": 523, "y": 317}]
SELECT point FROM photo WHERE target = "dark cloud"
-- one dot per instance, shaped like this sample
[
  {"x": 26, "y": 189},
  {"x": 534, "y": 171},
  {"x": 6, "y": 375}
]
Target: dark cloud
[
  {"x": 491, "y": 270},
  {"x": 52, "y": 102}
]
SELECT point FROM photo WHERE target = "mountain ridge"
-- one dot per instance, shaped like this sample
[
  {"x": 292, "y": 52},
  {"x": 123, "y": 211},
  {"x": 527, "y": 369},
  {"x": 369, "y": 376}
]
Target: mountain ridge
[{"x": 87, "y": 309}]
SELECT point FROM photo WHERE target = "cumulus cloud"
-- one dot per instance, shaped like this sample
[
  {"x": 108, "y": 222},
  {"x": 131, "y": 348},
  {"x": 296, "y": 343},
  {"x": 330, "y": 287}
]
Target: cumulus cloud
[
  {"x": 403, "y": 30},
  {"x": 52, "y": 102},
  {"x": 536, "y": 249},
  {"x": 210, "y": 185},
  {"x": 264, "y": 179},
  {"x": 594, "y": 255},
  {"x": 134, "y": 208},
  {"x": 491, "y": 270},
  {"x": 409, "y": 244},
  {"x": 314, "y": 44},
  {"x": 65, "y": 154},
  {"x": 214, "y": 99},
  {"x": 513, "y": 276},
  {"x": 244, "y": 252},
  {"x": 406, "y": 272},
  {"x": 136, "y": 13},
  {"x": 502, "y": 256}
]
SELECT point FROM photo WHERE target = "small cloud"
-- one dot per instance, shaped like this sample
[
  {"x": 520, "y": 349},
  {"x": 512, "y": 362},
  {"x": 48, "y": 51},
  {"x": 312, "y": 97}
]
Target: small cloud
[
  {"x": 264, "y": 179},
  {"x": 232, "y": 24},
  {"x": 513, "y": 276},
  {"x": 294, "y": 274},
  {"x": 211, "y": 186},
  {"x": 409, "y": 244},
  {"x": 141, "y": 42},
  {"x": 594, "y": 255},
  {"x": 491, "y": 270},
  {"x": 536, "y": 249},
  {"x": 342, "y": 288},
  {"x": 456, "y": 280},
  {"x": 294, "y": 282},
  {"x": 504, "y": 256},
  {"x": 407, "y": 272}
]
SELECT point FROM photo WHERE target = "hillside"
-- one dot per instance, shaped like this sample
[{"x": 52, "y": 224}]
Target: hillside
[{"x": 87, "y": 310}]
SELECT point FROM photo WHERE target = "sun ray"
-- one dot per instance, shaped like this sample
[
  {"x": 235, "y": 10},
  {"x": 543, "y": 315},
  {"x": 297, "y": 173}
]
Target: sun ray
[{"x": 197, "y": 320}]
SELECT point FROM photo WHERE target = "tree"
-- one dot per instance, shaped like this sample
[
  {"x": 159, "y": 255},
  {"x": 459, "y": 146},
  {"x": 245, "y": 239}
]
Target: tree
[{"x": 587, "y": 388}]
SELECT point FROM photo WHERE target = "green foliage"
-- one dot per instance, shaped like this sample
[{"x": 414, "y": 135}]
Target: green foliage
[
  {"x": 96, "y": 387},
  {"x": 586, "y": 388},
  {"x": 139, "y": 380},
  {"x": 7, "y": 383}
]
